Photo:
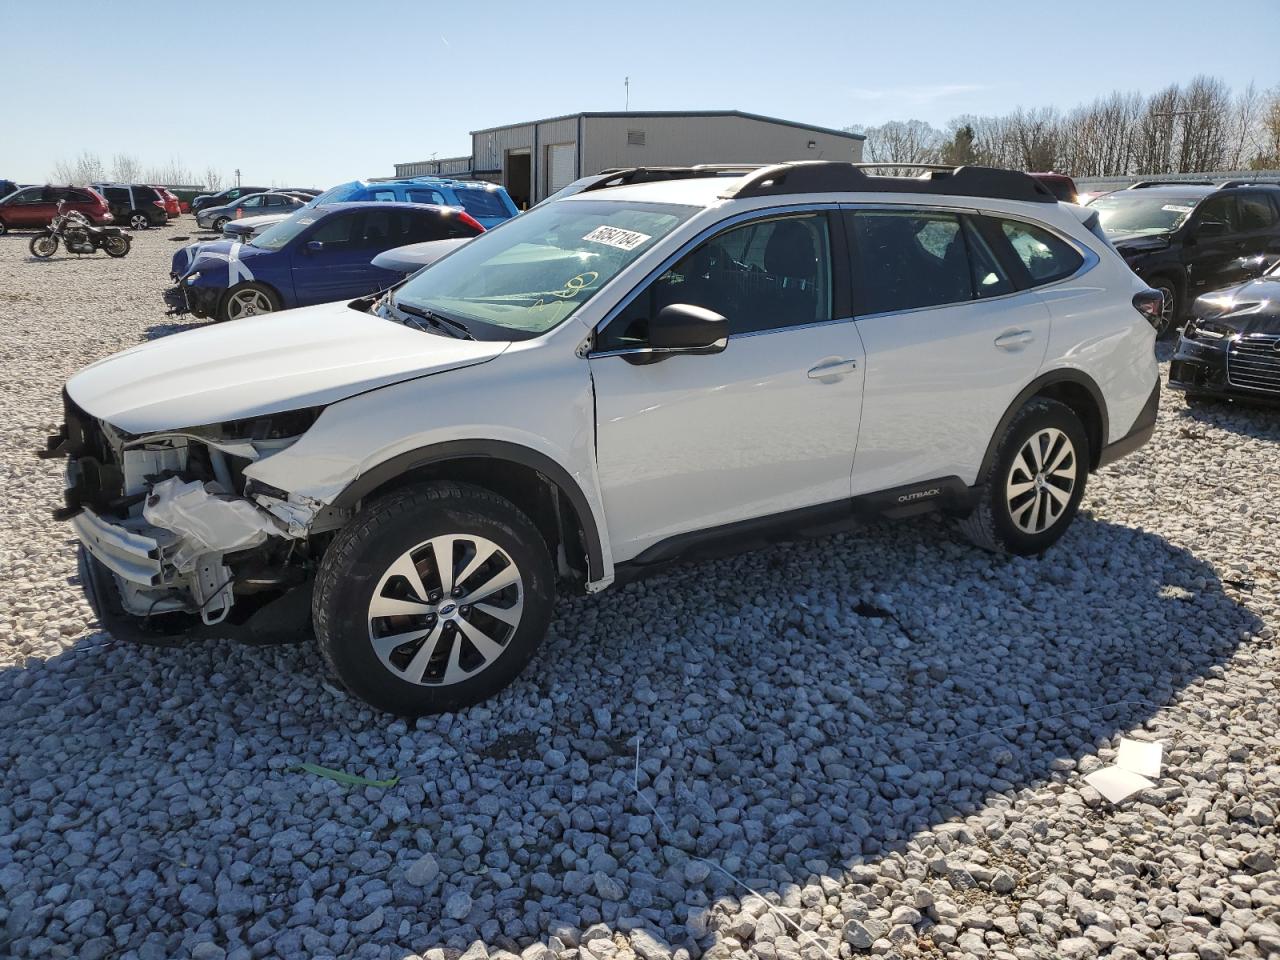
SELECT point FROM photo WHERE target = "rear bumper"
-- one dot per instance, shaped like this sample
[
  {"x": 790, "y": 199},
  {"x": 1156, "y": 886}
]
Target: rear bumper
[{"x": 1143, "y": 427}]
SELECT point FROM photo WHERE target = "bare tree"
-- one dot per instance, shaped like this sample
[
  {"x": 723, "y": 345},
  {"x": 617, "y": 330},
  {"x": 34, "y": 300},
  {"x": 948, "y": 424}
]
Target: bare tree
[
  {"x": 174, "y": 174},
  {"x": 1268, "y": 148},
  {"x": 1245, "y": 122},
  {"x": 898, "y": 141},
  {"x": 125, "y": 168},
  {"x": 212, "y": 179},
  {"x": 84, "y": 169}
]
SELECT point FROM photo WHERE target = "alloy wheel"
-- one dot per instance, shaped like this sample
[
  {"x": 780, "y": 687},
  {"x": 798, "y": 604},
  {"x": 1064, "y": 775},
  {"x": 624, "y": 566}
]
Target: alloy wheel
[
  {"x": 139, "y": 221},
  {"x": 446, "y": 609},
  {"x": 1041, "y": 480},
  {"x": 1167, "y": 308},
  {"x": 247, "y": 303}
]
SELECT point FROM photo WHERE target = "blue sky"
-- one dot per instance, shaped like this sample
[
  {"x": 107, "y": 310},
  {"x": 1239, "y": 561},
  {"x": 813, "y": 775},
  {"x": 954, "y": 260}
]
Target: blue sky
[{"x": 318, "y": 92}]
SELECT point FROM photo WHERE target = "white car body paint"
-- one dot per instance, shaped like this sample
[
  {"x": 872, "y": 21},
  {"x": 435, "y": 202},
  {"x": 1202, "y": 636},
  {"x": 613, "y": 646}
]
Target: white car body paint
[{"x": 691, "y": 442}]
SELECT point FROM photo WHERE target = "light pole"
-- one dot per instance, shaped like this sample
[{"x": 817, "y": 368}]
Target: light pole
[{"x": 237, "y": 176}]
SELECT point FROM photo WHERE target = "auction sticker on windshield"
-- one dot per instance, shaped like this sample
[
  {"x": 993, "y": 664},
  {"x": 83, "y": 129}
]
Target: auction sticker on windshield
[
  {"x": 1175, "y": 208},
  {"x": 617, "y": 237}
]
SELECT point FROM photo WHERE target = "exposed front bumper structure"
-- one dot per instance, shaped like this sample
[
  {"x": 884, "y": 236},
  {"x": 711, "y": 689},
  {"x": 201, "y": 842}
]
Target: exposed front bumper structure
[{"x": 1206, "y": 369}]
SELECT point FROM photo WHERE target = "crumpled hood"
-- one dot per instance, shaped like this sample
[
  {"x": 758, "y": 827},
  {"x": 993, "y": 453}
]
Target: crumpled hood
[
  {"x": 1249, "y": 308},
  {"x": 262, "y": 365}
]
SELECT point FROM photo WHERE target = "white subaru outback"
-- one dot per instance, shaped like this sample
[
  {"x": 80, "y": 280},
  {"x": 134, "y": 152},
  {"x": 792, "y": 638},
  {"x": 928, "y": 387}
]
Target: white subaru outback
[{"x": 613, "y": 381}]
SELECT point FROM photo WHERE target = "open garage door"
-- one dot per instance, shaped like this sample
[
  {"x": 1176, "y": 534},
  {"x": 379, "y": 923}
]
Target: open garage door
[{"x": 561, "y": 166}]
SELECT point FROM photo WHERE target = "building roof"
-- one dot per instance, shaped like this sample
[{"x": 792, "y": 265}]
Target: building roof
[{"x": 641, "y": 114}]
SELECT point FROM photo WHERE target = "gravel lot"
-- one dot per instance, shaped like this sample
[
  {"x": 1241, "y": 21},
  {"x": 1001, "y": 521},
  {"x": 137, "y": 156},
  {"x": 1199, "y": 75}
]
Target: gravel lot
[{"x": 883, "y": 734}]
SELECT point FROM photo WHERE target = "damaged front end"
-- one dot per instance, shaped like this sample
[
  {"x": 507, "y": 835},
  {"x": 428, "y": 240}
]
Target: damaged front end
[{"x": 176, "y": 541}]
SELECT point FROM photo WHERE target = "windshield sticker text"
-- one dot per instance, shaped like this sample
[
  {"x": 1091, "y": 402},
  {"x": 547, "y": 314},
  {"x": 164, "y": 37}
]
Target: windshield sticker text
[
  {"x": 1174, "y": 208},
  {"x": 617, "y": 237}
]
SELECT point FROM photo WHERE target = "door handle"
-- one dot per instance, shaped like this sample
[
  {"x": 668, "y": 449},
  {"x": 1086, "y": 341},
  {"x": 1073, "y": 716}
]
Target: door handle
[
  {"x": 1014, "y": 339},
  {"x": 830, "y": 369}
]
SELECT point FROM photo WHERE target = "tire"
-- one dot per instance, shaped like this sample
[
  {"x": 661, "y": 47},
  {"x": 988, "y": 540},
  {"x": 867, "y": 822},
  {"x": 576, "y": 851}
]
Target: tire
[
  {"x": 139, "y": 220},
  {"x": 220, "y": 223},
  {"x": 1022, "y": 522},
  {"x": 117, "y": 246},
  {"x": 43, "y": 245},
  {"x": 402, "y": 532},
  {"x": 3, "y": 228},
  {"x": 247, "y": 300},
  {"x": 1172, "y": 309}
]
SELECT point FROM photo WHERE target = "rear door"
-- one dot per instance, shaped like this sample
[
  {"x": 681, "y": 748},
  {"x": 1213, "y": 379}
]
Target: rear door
[
  {"x": 1214, "y": 244},
  {"x": 1259, "y": 224},
  {"x": 339, "y": 266},
  {"x": 950, "y": 340}
]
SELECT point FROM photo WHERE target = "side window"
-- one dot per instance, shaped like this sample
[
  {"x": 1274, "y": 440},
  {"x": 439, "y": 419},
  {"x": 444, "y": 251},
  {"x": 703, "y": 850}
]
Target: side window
[
  {"x": 79, "y": 196},
  {"x": 989, "y": 279},
  {"x": 419, "y": 195},
  {"x": 423, "y": 226},
  {"x": 30, "y": 195},
  {"x": 379, "y": 226},
  {"x": 336, "y": 232},
  {"x": 117, "y": 196},
  {"x": 384, "y": 196},
  {"x": 1219, "y": 210},
  {"x": 760, "y": 276},
  {"x": 1045, "y": 256},
  {"x": 1256, "y": 212},
  {"x": 907, "y": 260}
]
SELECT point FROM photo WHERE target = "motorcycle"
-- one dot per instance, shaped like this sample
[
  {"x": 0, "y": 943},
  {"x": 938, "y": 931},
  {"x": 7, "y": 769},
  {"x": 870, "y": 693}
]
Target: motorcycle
[{"x": 73, "y": 228}]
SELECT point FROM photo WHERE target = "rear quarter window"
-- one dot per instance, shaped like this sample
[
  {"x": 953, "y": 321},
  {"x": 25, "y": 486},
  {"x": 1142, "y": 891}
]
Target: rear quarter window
[
  {"x": 482, "y": 203},
  {"x": 1046, "y": 257}
]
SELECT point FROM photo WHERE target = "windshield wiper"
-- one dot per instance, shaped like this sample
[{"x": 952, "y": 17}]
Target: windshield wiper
[{"x": 435, "y": 319}]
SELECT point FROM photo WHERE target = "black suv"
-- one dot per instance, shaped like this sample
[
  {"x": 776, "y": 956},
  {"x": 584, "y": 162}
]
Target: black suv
[
  {"x": 1185, "y": 239},
  {"x": 134, "y": 205}
]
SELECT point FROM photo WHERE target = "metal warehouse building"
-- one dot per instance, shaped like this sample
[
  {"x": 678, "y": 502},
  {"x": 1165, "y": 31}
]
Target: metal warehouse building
[{"x": 533, "y": 160}]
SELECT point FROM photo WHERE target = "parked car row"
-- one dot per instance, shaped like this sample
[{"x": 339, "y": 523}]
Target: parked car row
[{"x": 251, "y": 205}]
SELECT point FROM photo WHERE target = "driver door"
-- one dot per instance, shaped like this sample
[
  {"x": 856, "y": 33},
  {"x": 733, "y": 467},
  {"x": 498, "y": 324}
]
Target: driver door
[
  {"x": 1216, "y": 246},
  {"x": 767, "y": 426}
]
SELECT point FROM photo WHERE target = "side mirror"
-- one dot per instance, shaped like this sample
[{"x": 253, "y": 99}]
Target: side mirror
[
  {"x": 682, "y": 328},
  {"x": 314, "y": 246},
  {"x": 1211, "y": 228},
  {"x": 1255, "y": 266}
]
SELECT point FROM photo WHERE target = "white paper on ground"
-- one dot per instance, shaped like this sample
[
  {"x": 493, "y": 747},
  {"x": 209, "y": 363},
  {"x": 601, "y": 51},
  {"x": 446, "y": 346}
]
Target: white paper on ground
[
  {"x": 1116, "y": 783},
  {"x": 1140, "y": 757}
]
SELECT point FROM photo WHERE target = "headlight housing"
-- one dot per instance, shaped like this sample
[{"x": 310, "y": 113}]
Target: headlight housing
[
  {"x": 191, "y": 277},
  {"x": 1200, "y": 329}
]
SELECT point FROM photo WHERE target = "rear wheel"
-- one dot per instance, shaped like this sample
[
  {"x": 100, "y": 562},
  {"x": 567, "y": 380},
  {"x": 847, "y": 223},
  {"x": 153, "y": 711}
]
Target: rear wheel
[
  {"x": 220, "y": 223},
  {"x": 433, "y": 598},
  {"x": 43, "y": 245},
  {"x": 3, "y": 229},
  {"x": 248, "y": 300},
  {"x": 1032, "y": 490},
  {"x": 117, "y": 246},
  {"x": 139, "y": 220}
]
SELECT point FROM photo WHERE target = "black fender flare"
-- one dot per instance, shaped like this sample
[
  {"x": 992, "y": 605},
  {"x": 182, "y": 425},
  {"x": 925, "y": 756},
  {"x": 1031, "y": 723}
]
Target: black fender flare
[
  {"x": 1049, "y": 379},
  {"x": 499, "y": 450}
]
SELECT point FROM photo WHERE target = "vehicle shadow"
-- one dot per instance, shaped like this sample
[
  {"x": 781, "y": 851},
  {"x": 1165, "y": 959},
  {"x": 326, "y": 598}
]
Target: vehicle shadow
[
  {"x": 1260, "y": 420},
  {"x": 803, "y": 711}
]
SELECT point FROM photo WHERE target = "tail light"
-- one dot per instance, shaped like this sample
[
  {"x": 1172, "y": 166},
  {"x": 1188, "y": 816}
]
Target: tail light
[
  {"x": 471, "y": 221},
  {"x": 1149, "y": 303},
  {"x": 239, "y": 213},
  {"x": 159, "y": 203}
]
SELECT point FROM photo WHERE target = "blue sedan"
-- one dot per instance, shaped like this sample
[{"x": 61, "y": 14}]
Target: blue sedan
[{"x": 320, "y": 254}]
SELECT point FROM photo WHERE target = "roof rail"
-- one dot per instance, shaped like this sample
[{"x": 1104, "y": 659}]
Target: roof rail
[
  {"x": 1272, "y": 181},
  {"x": 620, "y": 176},
  {"x": 1143, "y": 184},
  {"x": 835, "y": 176}
]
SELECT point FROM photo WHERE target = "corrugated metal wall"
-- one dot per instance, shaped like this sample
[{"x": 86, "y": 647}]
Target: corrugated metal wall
[
  {"x": 689, "y": 140},
  {"x": 489, "y": 147},
  {"x": 445, "y": 167}
]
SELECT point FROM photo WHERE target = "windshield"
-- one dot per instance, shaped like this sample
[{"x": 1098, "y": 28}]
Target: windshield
[
  {"x": 278, "y": 234},
  {"x": 536, "y": 271},
  {"x": 1129, "y": 213}
]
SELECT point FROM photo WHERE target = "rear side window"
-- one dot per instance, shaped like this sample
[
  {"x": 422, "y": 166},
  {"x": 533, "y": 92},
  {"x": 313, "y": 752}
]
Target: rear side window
[
  {"x": 989, "y": 278},
  {"x": 908, "y": 260},
  {"x": 145, "y": 195},
  {"x": 1046, "y": 257},
  {"x": 79, "y": 196},
  {"x": 1256, "y": 212},
  {"x": 419, "y": 195},
  {"x": 481, "y": 203},
  {"x": 384, "y": 196}
]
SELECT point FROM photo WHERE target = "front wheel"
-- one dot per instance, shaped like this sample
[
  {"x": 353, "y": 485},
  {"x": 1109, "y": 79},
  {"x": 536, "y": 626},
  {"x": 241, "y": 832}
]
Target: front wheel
[
  {"x": 139, "y": 221},
  {"x": 1032, "y": 490},
  {"x": 44, "y": 245},
  {"x": 248, "y": 300},
  {"x": 1170, "y": 309},
  {"x": 435, "y": 597},
  {"x": 117, "y": 246},
  {"x": 3, "y": 229},
  {"x": 220, "y": 223}
]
